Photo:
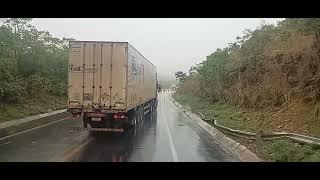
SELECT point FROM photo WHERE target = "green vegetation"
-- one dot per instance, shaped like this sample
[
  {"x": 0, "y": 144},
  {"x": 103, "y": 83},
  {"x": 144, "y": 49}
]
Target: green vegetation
[
  {"x": 269, "y": 66},
  {"x": 226, "y": 115},
  {"x": 283, "y": 150},
  {"x": 272, "y": 68},
  {"x": 33, "y": 67},
  {"x": 180, "y": 76},
  {"x": 267, "y": 79},
  {"x": 42, "y": 104}
]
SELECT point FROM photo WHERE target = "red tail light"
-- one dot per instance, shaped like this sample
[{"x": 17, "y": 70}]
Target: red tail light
[{"x": 76, "y": 115}]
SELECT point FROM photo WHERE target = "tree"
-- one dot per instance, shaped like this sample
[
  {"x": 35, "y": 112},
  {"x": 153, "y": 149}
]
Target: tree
[
  {"x": 32, "y": 62},
  {"x": 17, "y": 24},
  {"x": 180, "y": 76},
  {"x": 252, "y": 71},
  {"x": 193, "y": 70}
]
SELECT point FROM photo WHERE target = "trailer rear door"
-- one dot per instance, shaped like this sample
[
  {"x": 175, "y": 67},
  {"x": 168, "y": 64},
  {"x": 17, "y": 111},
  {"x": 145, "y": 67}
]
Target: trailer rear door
[{"x": 97, "y": 75}]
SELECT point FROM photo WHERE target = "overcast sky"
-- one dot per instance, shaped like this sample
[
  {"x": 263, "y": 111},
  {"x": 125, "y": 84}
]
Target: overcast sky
[{"x": 170, "y": 44}]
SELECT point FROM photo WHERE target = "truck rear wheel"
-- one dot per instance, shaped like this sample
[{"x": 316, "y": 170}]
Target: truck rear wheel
[
  {"x": 152, "y": 106},
  {"x": 140, "y": 115},
  {"x": 133, "y": 117},
  {"x": 85, "y": 120}
]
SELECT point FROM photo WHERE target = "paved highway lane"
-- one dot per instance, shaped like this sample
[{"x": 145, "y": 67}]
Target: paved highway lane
[
  {"x": 167, "y": 135},
  {"x": 42, "y": 144}
]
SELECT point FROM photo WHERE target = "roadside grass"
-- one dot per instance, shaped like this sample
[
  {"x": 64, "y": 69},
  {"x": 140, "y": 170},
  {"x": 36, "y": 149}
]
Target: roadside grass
[
  {"x": 29, "y": 107},
  {"x": 282, "y": 150},
  {"x": 285, "y": 150},
  {"x": 226, "y": 115}
]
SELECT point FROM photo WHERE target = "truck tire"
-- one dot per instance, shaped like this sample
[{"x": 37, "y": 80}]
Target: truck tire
[
  {"x": 138, "y": 116},
  {"x": 141, "y": 114},
  {"x": 133, "y": 117},
  {"x": 151, "y": 106},
  {"x": 85, "y": 120}
]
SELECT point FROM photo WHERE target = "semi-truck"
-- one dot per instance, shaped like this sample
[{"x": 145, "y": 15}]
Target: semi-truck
[{"x": 110, "y": 84}]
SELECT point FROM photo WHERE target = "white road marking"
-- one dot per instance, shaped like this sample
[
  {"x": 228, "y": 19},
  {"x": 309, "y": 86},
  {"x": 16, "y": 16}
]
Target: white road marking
[
  {"x": 173, "y": 150},
  {"x": 33, "y": 128}
]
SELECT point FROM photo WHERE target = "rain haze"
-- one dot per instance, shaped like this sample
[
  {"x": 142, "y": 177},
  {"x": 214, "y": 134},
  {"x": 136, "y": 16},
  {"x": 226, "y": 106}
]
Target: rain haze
[{"x": 170, "y": 44}]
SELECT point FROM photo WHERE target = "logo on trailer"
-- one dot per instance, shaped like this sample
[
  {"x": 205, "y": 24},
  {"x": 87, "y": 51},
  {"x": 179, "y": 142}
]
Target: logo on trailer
[{"x": 75, "y": 68}]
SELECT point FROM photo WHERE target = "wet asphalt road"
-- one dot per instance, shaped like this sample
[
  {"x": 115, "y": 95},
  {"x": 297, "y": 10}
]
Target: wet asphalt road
[{"x": 166, "y": 135}]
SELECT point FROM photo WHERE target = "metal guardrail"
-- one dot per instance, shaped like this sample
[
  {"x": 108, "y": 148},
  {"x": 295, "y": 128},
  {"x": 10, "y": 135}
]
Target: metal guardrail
[
  {"x": 274, "y": 135},
  {"x": 253, "y": 136}
]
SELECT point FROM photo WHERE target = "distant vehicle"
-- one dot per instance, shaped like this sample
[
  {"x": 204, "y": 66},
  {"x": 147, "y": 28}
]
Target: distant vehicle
[{"x": 110, "y": 83}]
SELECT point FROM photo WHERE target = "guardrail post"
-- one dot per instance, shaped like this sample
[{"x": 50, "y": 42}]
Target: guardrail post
[{"x": 259, "y": 141}]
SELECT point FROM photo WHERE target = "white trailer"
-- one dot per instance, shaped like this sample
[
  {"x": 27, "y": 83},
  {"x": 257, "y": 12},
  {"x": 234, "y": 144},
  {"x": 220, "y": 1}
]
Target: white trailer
[{"x": 110, "y": 83}]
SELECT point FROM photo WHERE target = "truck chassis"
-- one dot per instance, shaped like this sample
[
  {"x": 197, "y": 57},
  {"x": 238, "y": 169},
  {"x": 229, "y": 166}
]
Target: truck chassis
[{"x": 113, "y": 121}]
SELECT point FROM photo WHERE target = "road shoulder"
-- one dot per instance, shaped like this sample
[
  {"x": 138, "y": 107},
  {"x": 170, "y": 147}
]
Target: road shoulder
[
  {"x": 239, "y": 150},
  {"x": 20, "y": 125}
]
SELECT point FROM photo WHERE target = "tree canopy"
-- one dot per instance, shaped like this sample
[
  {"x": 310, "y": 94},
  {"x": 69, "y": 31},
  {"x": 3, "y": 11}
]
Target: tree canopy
[
  {"x": 31, "y": 61},
  {"x": 267, "y": 66}
]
